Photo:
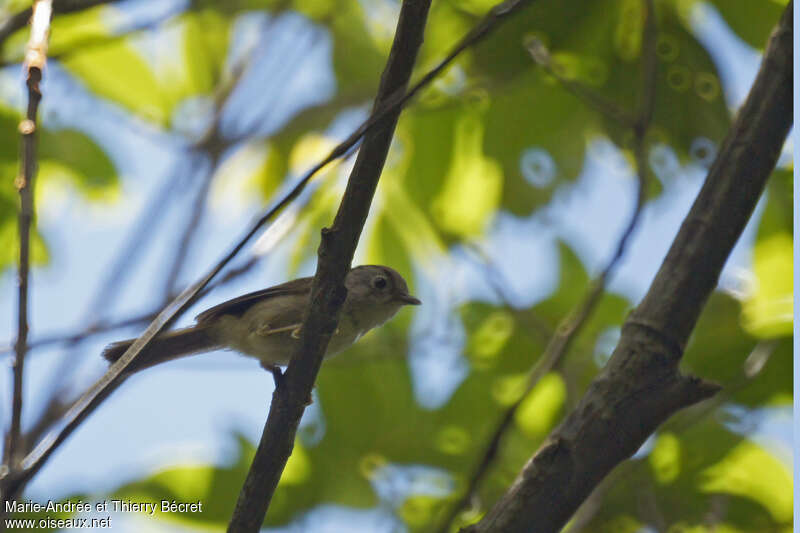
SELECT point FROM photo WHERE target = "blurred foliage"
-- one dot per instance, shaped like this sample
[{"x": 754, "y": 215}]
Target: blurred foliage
[
  {"x": 65, "y": 156},
  {"x": 494, "y": 133},
  {"x": 751, "y": 21},
  {"x": 701, "y": 477},
  {"x": 767, "y": 311}
]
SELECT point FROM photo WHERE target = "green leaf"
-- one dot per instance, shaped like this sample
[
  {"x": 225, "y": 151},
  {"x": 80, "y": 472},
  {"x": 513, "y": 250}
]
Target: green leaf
[
  {"x": 721, "y": 351},
  {"x": 116, "y": 71},
  {"x": 665, "y": 458},
  {"x": 215, "y": 487},
  {"x": 779, "y": 208},
  {"x": 72, "y": 155},
  {"x": 698, "y": 468},
  {"x": 206, "y": 34},
  {"x": 752, "y": 20},
  {"x": 65, "y": 156},
  {"x": 470, "y": 194},
  {"x": 767, "y": 312},
  {"x": 543, "y": 406},
  {"x": 750, "y": 471}
]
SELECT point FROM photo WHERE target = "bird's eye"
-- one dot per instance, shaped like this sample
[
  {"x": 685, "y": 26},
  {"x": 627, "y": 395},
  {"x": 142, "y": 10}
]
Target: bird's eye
[{"x": 379, "y": 282}]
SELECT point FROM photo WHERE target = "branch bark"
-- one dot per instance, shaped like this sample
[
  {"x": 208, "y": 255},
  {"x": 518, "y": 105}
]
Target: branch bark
[
  {"x": 335, "y": 256},
  {"x": 35, "y": 58},
  {"x": 641, "y": 385}
]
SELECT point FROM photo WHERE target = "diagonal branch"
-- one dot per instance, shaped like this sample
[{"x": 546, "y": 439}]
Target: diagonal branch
[
  {"x": 641, "y": 386},
  {"x": 336, "y": 252},
  {"x": 35, "y": 59}
]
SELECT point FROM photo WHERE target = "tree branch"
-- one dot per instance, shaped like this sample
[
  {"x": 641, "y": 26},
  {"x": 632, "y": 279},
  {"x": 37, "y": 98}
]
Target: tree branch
[
  {"x": 336, "y": 252},
  {"x": 641, "y": 386},
  {"x": 35, "y": 59}
]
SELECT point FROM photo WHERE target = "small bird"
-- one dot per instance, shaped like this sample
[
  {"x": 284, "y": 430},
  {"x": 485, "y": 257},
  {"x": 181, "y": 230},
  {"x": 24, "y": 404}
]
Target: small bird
[{"x": 266, "y": 324}]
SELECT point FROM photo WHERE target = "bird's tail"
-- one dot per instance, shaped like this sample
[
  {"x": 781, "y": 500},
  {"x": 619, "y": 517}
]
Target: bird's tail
[{"x": 165, "y": 347}]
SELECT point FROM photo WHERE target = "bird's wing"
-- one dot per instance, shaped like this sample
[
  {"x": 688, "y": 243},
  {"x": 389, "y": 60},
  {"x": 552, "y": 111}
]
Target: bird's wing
[{"x": 239, "y": 305}]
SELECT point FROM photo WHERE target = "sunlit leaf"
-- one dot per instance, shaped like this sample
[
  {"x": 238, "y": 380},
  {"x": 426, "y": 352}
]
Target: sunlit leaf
[
  {"x": 540, "y": 409},
  {"x": 205, "y": 47},
  {"x": 471, "y": 190},
  {"x": 751, "y": 21},
  {"x": 118, "y": 72},
  {"x": 64, "y": 156},
  {"x": 665, "y": 459},
  {"x": 768, "y": 311},
  {"x": 748, "y": 470}
]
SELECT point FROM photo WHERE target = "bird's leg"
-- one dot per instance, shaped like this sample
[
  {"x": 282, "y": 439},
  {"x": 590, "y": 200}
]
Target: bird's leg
[
  {"x": 279, "y": 378},
  {"x": 275, "y": 370}
]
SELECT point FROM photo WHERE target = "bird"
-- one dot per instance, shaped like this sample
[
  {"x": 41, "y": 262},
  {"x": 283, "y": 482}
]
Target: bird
[{"x": 266, "y": 324}]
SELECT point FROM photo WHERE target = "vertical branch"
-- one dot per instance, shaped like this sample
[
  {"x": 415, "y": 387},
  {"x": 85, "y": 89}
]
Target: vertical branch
[{"x": 35, "y": 58}]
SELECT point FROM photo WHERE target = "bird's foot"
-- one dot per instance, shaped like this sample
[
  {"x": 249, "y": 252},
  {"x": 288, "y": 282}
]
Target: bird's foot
[
  {"x": 279, "y": 378},
  {"x": 277, "y": 375}
]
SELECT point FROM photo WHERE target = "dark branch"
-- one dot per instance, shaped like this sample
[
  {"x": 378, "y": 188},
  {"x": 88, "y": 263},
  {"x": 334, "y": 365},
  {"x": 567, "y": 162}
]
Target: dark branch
[
  {"x": 641, "y": 385},
  {"x": 327, "y": 292},
  {"x": 35, "y": 58}
]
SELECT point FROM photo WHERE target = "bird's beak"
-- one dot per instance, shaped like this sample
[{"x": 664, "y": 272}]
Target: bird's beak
[{"x": 408, "y": 299}]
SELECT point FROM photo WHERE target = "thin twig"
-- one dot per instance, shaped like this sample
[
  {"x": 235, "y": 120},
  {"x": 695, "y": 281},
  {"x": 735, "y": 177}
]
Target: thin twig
[
  {"x": 76, "y": 337},
  {"x": 571, "y": 325},
  {"x": 212, "y": 144},
  {"x": 35, "y": 59},
  {"x": 278, "y": 231},
  {"x": 131, "y": 252},
  {"x": 193, "y": 222},
  {"x": 606, "y": 107},
  {"x": 99, "y": 328}
]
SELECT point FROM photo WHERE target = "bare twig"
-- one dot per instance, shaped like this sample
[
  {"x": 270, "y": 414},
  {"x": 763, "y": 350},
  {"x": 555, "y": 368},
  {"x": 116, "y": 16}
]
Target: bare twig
[
  {"x": 35, "y": 59},
  {"x": 78, "y": 336},
  {"x": 197, "y": 211},
  {"x": 144, "y": 318},
  {"x": 641, "y": 386},
  {"x": 213, "y": 145}
]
